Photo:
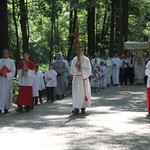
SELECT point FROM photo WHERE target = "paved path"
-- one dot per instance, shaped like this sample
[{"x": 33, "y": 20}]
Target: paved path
[{"x": 116, "y": 121}]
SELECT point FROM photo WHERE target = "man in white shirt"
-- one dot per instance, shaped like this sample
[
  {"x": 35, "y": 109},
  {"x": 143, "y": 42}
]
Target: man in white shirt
[
  {"x": 124, "y": 70},
  {"x": 95, "y": 62},
  {"x": 115, "y": 69}
]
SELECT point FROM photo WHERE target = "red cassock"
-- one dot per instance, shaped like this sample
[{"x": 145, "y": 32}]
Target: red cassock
[
  {"x": 25, "y": 91},
  {"x": 148, "y": 99},
  {"x": 24, "y": 96}
]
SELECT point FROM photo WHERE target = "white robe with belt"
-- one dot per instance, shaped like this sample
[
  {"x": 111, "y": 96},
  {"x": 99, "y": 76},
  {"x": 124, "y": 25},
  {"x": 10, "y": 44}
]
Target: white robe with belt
[
  {"x": 115, "y": 69},
  {"x": 6, "y": 84},
  {"x": 80, "y": 84}
]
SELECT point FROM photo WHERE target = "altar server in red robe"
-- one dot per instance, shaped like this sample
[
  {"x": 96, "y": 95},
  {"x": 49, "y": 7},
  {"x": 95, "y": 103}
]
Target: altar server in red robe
[
  {"x": 147, "y": 73},
  {"x": 26, "y": 78},
  {"x": 7, "y": 72}
]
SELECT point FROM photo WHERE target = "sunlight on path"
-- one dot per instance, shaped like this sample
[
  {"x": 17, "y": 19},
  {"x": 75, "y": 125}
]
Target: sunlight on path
[{"x": 114, "y": 122}]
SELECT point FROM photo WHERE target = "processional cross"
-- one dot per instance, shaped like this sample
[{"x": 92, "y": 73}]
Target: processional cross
[{"x": 76, "y": 35}]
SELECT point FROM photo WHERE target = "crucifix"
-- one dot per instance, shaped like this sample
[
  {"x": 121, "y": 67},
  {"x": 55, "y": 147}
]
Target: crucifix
[{"x": 76, "y": 35}]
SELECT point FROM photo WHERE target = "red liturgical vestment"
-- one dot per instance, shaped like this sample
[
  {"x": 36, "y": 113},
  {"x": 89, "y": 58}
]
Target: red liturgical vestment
[{"x": 26, "y": 83}]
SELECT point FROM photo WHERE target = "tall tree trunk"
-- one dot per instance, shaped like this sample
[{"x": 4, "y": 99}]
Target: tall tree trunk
[
  {"x": 28, "y": 33},
  {"x": 17, "y": 54},
  {"x": 118, "y": 33},
  {"x": 111, "y": 49},
  {"x": 57, "y": 35},
  {"x": 51, "y": 43},
  {"x": 125, "y": 11},
  {"x": 72, "y": 26},
  {"x": 3, "y": 26},
  {"x": 52, "y": 33},
  {"x": 91, "y": 28},
  {"x": 103, "y": 33},
  {"x": 23, "y": 22},
  {"x": 70, "y": 38}
]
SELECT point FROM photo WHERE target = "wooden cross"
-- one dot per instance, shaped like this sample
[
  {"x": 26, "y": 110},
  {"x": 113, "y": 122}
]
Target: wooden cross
[{"x": 76, "y": 35}]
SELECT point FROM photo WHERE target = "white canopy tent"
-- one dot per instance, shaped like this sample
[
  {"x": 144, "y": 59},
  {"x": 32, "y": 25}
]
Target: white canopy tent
[{"x": 136, "y": 45}]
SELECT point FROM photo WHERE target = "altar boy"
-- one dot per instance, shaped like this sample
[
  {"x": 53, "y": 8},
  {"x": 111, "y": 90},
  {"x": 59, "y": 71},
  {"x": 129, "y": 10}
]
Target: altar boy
[
  {"x": 39, "y": 79},
  {"x": 7, "y": 72},
  {"x": 26, "y": 78},
  {"x": 51, "y": 83},
  {"x": 147, "y": 73}
]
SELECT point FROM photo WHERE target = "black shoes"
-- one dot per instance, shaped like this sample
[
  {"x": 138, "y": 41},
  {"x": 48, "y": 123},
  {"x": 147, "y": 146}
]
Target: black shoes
[
  {"x": 28, "y": 108},
  {"x": 148, "y": 116},
  {"x": 83, "y": 111},
  {"x": 36, "y": 101},
  {"x": 76, "y": 111},
  {"x": 19, "y": 110},
  {"x": 6, "y": 111},
  {"x": 41, "y": 102}
]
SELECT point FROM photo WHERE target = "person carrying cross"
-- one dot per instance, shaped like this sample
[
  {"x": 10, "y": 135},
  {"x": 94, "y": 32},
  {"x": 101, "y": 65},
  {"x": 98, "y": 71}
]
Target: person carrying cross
[{"x": 81, "y": 89}]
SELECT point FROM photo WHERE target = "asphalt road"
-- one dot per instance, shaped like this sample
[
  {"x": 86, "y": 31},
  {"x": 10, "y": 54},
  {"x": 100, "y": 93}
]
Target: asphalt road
[{"x": 116, "y": 121}]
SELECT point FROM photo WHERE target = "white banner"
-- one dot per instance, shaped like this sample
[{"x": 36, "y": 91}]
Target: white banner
[{"x": 136, "y": 45}]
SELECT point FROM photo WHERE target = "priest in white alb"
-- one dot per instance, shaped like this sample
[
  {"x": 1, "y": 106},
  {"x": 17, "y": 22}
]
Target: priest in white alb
[
  {"x": 81, "y": 89},
  {"x": 7, "y": 72}
]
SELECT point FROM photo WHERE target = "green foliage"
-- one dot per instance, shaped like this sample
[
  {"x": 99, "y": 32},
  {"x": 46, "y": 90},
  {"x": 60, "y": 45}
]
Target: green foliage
[
  {"x": 138, "y": 19},
  {"x": 44, "y": 67},
  {"x": 45, "y": 14},
  {"x": 15, "y": 89}
]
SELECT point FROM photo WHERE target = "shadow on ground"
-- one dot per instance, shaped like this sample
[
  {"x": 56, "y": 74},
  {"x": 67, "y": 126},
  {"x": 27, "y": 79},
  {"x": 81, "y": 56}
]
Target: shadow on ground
[{"x": 58, "y": 115}]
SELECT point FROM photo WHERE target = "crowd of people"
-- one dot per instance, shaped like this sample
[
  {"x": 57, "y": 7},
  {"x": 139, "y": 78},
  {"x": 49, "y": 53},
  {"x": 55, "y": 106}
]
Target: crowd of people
[
  {"x": 123, "y": 70},
  {"x": 82, "y": 75}
]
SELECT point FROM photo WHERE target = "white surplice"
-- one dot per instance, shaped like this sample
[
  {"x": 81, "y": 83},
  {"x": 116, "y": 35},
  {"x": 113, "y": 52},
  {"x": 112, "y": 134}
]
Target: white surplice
[
  {"x": 51, "y": 78},
  {"x": 80, "y": 84},
  {"x": 39, "y": 81},
  {"x": 147, "y": 72},
  {"x": 27, "y": 80},
  {"x": 6, "y": 84}
]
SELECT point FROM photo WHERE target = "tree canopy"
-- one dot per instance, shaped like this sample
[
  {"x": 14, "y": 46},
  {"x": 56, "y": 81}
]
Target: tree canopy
[{"x": 44, "y": 26}]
